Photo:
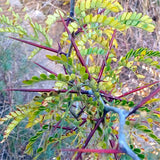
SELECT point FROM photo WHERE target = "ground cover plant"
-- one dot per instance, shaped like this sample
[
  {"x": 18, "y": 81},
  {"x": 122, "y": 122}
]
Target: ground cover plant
[{"x": 85, "y": 105}]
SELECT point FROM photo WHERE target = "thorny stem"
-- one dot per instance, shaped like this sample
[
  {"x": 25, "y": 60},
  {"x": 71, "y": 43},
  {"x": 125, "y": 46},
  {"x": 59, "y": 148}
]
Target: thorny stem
[
  {"x": 38, "y": 45},
  {"x": 90, "y": 136},
  {"x": 137, "y": 89},
  {"x": 106, "y": 57},
  {"x": 76, "y": 49},
  {"x": 48, "y": 70},
  {"x": 144, "y": 101}
]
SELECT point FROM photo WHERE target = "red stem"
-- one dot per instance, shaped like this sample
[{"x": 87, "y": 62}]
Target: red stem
[
  {"x": 94, "y": 150},
  {"x": 38, "y": 45},
  {"x": 108, "y": 97},
  {"x": 106, "y": 57},
  {"x": 112, "y": 143},
  {"x": 137, "y": 89},
  {"x": 48, "y": 70},
  {"x": 144, "y": 101},
  {"x": 157, "y": 112},
  {"x": 76, "y": 48},
  {"x": 56, "y": 126},
  {"x": 90, "y": 136}
]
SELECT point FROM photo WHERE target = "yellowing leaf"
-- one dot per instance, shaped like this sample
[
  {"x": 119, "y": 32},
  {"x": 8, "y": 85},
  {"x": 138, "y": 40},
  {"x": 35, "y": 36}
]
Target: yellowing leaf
[
  {"x": 150, "y": 120},
  {"x": 130, "y": 63},
  {"x": 104, "y": 4},
  {"x": 114, "y": 9},
  {"x": 145, "y": 18},
  {"x": 13, "y": 114},
  {"x": 153, "y": 100},
  {"x": 88, "y": 18},
  {"x": 100, "y": 39},
  {"x": 140, "y": 76},
  {"x": 114, "y": 59},
  {"x": 150, "y": 28},
  {"x": 91, "y": 58},
  {"x": 93, "y": 3},
  {"x": 118, "y": 5},
  {"x": 115, "y": 43},
  {"x": 108, "y": 20},
  {"x": 70, "y": 29},
  {"x": 143, "y": 53},
  {"x": 94, "y": 19},
  {"x": 113, "y": 23},
  {"x": 101, "y": 18},
  {"x": 128, "y": 15},
  {"x": 88, "y": 4},
  {"x": 82, "y": 5},
  {"x": 74, "y": 25},
  {"x": 104, "y": 43},
  {"x": 115, "y": 132},
  {"x": 123, "y": 16}
]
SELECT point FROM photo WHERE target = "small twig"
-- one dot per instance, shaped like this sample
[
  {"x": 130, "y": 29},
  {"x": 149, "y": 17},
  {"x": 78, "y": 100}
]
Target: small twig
[{"x": 72, "y": 4}]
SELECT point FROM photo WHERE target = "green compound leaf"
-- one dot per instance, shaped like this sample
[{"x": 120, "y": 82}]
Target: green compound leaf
[
  {"x": 137, "y": 20},
  {"x": 94, "y": 50},
  {"x": 83, "y": 6},
  {"x": 142, "y": 51},
  {"x": 36, "y": 79},
  {"x": 148, "y": 132}
]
